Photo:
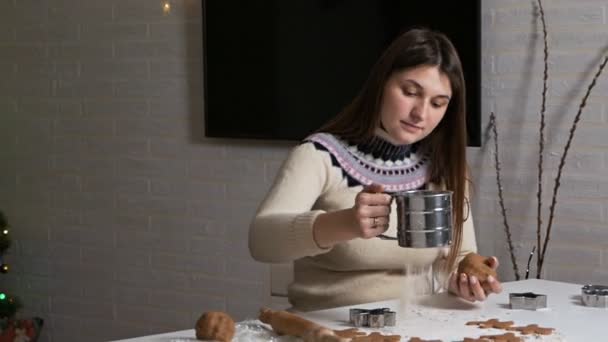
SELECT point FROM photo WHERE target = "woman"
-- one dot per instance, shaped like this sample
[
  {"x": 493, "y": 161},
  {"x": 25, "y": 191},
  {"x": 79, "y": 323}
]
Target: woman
[{"x": 405, "y": 130}]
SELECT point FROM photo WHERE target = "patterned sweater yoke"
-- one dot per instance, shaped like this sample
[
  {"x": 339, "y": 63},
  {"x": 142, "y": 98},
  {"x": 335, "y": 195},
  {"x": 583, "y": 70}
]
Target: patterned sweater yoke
[{"x": 378, "y": 161}]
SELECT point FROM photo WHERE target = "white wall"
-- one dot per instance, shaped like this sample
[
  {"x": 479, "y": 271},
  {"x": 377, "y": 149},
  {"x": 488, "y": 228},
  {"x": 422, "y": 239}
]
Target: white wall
[
  {"x": 512, "y": 84},
  {"x": 127, "y": 221}
]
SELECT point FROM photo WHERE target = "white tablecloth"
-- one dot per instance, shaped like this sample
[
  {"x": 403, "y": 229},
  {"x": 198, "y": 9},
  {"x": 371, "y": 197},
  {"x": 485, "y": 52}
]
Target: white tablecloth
[{"x": 443, "y": 317}]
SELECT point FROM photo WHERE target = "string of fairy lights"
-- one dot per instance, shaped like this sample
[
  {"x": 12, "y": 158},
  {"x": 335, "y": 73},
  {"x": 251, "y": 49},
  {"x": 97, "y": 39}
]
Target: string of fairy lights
[{"x": 166, "y": 4}]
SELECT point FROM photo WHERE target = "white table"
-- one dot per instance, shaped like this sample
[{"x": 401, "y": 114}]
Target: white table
[{"x": 443, "y": 317}]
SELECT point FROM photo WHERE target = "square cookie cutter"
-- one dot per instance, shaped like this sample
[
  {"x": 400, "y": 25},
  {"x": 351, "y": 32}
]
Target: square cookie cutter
[
  {"x": 595, "y": 296},
  {"x": 527, "y": 301},
  {"x": 374, "y": 318}
]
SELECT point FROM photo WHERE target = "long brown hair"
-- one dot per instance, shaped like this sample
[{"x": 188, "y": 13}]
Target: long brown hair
[{"x": 446, "y": 145}]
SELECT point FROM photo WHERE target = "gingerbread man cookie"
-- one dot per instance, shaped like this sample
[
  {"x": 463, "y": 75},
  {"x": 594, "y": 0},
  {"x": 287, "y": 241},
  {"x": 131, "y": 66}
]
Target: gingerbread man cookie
[
  {"x": 533, "y": 329},
  {"x": 508, "y": 337},
  {"x": 492, "y": 323}
]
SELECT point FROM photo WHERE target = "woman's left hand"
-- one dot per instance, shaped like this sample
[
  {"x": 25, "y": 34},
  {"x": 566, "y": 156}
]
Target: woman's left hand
[{"x": 469, "y": 288}]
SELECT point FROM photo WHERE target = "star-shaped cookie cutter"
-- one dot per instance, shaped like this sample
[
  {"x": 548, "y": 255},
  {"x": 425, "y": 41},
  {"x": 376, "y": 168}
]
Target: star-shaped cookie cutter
[
  {"x": 527, "y": 301},
  {"x": 595, "y": 295}
]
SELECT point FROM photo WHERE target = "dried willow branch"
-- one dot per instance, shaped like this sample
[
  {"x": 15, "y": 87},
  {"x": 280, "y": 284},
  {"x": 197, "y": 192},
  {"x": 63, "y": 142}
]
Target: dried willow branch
[
  {"x": 529, "y": 260},
  {"x": 501, "y": 198},
  {"x": 541, "y": 141},
  {"x": 563, "y": 159}
]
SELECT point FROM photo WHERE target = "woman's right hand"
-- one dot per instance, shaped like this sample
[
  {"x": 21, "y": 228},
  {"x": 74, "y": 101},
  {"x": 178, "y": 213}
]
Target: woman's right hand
[
  {"x": 371, "y": 211},
  {"x": 366, "y": 219}
]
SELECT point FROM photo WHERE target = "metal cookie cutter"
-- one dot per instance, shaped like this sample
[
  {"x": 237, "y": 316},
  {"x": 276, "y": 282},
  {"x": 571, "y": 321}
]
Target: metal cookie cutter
[
  {"x": 527, "y": 301},
  {"x": 595, "y": 295},
  {"x": 374, "y": 318}
]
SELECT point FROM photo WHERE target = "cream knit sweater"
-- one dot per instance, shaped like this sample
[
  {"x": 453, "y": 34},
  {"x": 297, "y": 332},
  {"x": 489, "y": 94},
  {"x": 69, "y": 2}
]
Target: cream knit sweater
[{"x": 352, "y": 272}]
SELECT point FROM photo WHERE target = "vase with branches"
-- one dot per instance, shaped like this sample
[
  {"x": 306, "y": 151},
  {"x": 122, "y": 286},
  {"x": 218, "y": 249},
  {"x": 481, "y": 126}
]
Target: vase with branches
[{"x": 542, "y": 243}]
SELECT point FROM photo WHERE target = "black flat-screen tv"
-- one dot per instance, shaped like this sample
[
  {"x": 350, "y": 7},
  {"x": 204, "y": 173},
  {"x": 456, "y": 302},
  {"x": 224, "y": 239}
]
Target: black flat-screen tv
[{"x": 279, "y": 69}]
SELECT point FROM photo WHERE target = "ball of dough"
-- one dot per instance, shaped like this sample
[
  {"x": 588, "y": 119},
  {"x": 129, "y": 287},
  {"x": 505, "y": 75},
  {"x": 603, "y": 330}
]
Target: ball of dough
[
  {"x": 215, "y": 325},
  {"x": 476, "y": 265}
]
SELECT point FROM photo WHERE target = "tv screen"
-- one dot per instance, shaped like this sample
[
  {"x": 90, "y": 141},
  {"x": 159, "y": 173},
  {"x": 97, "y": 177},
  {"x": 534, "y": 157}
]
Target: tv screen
[{"x": 279, "y": 69}]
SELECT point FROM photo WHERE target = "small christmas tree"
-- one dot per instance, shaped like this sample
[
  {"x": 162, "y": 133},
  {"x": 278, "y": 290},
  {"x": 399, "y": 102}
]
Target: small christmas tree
[
  {"x": 11, "y": 328},
  {"x": 8, "y": 304}
]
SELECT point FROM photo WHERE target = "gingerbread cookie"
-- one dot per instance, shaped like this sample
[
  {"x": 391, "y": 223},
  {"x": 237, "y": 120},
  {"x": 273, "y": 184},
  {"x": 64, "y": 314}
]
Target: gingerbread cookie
[
  {"x": 492, "y": 323},
  {"x": 533, "y": 329},
  {"x": 507, "y": 337},
  {"x": 476, "y": 265},
  {"x": 418, "y": 339},
  {"x": 216, "y": 326}
]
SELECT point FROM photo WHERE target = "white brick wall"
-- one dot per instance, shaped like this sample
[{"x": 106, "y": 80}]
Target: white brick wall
[{"x": 127, "y": 221}]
